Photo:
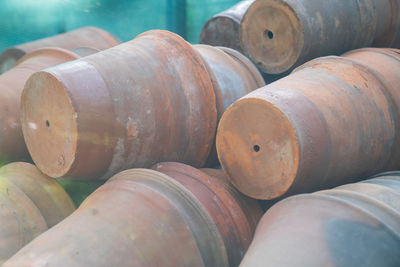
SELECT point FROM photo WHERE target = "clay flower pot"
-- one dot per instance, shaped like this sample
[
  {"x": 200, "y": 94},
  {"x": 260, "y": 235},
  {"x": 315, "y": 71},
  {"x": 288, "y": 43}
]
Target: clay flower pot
[
  {"x": 279, "y": 35},
  {"x": 12, "y": 145},
  {"x": 30, "y": 203},
  {"x": 175, "y": 216},
  {"x": 223, "y": 28},
  {"x": 86, "y": 36},
  {"x": 331, "y": 121},
  {"x": 352, "y": 225},
  {"x": 148, "y": 100}
]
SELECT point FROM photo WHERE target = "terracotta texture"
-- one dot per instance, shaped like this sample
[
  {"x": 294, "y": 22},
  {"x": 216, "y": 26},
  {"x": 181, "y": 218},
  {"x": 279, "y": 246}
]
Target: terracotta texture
[
  {"x": 331, "y": 121},
  {"x": 176, "y": 216},
  {"x": 351, "y": 225},
  {"x": 86, "y": 36},
  {"x": 30, "y": 203},
  {"x": 12, "y": 145},
  {"x": 279, "y": 35},
  {"x": 235, "y": 215},
  {"x": 223, "y": 28},
  {"x": 148, "y": 100},
  {"x": 232, "y": 75}
]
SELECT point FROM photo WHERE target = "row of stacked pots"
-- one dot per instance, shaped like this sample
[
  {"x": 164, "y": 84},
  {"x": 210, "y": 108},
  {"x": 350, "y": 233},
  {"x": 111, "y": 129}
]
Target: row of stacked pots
[
  {"x": 88, "y": 114},
  {"x": 176, "y": 215},
  {"x": 279, "y": 35}
]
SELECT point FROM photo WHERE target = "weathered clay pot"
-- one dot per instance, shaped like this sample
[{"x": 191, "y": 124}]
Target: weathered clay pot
[
  {"x": 281, "y": 34},
  {"x": 232, "y": 75},
  {"x": 385, "y": 63},
  {"x": 223, "y": 28},
  {"x": 30, "y": 203},
  {"x": 236, "y": 216},
  {"x": 352, "y": 225},
  {"x": 177, "y": 217},
  {"x": 12, "y": 145},
  {"x": 148, "y": 100},
  {"x": 49, "y": 197},
  {"x": 331, "y": 121},
  {"x": 86, "y": 36}
]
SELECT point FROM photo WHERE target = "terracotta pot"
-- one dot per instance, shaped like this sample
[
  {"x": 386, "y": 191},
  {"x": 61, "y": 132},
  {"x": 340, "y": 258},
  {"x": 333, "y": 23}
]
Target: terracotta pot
[
  {"x": 332, "y": 120},
  {"x": 232, "y": 75},
  {"x": 352, "y": 225},
  {"x": 29, "y": 203},
  {"x": 223, "y": 28},
  {"x": 86, "y": 36},
  {"x": 236, "y": 216},
  {"x": 12, "y": 145},
  {"x": 94, "y": 119},
  {"x": 49, "y": 197},
  {"x": 279, "y": 35},
  {"x": 385, "y": 64},
  {"x": 177, "y": 217},
  {"x": 249, "y": 206}
]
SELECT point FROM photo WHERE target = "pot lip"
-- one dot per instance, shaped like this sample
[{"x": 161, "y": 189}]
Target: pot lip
[
  {"x": 34, "y": 230},
  {"x": 154, "y": 179},
  {"x": 337, "y": 194},
  {"x": 226, "y": 202},
  {"x": 208, "y": 101},
  {"x": 391, "y": 52},
  {"x": 112, "y": 38},
  {"x": 246, "y": 62},
  {"x": 254, "y": 213},
  {"x": 55, "y": 51},
  {"x": 333, "y": 196},
  {"x": 395, "y": 174},
  {"x": 83, "y": 51},
  {"x": 53, "y": 191},
  {"x": 216, "y": 88}
]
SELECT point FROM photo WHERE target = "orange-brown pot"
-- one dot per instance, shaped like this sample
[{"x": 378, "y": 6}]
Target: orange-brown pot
[
  {"x": 86, "y": 36},
  {"x": 30, "y": 203},
  {"x": 331, "y": 121},
  {"x": 352, "y": 225},
  {"x": 177, "y": 217},
  {"x": 148, "y": 100},
  {"x": 223, "y": 28},
  {"x": 279, "y": 35},
  {"x": 12, "y": 145}
]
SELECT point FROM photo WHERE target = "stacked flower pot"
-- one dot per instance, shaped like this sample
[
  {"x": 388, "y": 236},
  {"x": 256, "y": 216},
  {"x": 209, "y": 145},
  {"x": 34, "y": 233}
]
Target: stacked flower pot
[{"x": 150, "y": 120}]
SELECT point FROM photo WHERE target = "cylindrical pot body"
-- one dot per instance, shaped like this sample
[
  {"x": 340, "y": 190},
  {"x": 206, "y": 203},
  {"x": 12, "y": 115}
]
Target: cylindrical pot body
[
  {"x": 48, "y": 196},
  {"x": 281, "y": 34},
  {"x": 329, "y": 122},
  {"x": 12, "y": 145},
  {"x": 133, "y": 105},
  {"x": 149, "y": 218},
  {"x": 233, "y": 213},
  {"x": 21, "y": 221},
  {"x": 223, "y": 28},
  {"x": 249, "y": 206},
  {"x": 352, "y": 225},
  {"x": 30, "y": 203},
  {"x": 232, "y": 75},
  {"x": 86, "y": 36},
  {"x": 385, "y": 63}
]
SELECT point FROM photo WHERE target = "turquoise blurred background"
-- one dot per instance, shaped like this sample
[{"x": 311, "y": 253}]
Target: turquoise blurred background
[{"x": 26, "y": 20}]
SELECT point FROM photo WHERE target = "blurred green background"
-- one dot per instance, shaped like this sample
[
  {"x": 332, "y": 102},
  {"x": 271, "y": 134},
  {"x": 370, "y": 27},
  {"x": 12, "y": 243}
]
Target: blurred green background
[{"x": 26, "y": 20}]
